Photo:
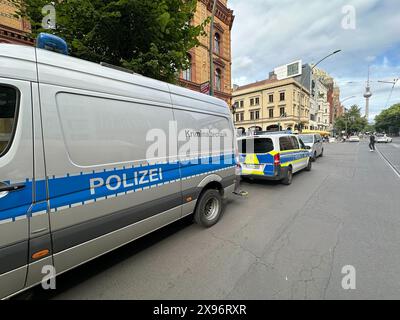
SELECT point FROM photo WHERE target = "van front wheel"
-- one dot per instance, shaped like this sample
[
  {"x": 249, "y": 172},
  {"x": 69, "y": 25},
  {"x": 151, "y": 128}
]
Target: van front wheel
[{"x": 209, "y": 208}]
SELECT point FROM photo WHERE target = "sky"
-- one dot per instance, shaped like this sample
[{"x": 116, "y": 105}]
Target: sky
[{"x": 270, "y": 33}]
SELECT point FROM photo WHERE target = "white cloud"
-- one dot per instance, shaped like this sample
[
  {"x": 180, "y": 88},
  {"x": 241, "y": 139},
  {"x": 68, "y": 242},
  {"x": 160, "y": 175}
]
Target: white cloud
[{"x": 268, "y": 33}]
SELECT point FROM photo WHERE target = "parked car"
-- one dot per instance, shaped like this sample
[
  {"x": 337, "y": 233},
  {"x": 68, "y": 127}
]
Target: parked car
[
  {"x": 314, "y": 141},
  {"x": 273, "y": 156},
  {"x": 383, "y": 138},
  {"x": 354, "y": 139}
]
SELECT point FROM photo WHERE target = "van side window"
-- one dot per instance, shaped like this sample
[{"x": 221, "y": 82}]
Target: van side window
[
  {"x": 295, "y": 143},
  {"x": 285, "y": 143},
  {"x": 8, "y": 116}
]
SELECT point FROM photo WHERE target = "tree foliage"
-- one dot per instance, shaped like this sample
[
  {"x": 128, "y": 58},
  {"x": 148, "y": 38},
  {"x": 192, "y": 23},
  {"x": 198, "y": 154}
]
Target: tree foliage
[
  {"x": 150, "y": 37},
  {"x": 352, "y": 120},
  {"x": 389, "y": 120}
]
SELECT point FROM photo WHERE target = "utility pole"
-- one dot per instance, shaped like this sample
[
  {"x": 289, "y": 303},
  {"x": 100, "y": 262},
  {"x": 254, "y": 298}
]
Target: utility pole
[{"x": 214, "y": 9}]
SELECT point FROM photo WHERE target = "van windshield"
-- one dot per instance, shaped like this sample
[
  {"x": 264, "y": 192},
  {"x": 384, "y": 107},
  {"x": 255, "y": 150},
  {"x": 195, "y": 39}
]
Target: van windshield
[{"x": 256, "y": 145}]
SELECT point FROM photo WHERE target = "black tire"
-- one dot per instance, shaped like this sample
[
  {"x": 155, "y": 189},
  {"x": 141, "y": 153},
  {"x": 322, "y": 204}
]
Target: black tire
[
  {"x": 322, "y": 153},
  {"x": 209, "y": 208},
  {"x": 287, "y": 181},
  {"x": 309, "y": 166},
  {"x": 314, "y": 157}
]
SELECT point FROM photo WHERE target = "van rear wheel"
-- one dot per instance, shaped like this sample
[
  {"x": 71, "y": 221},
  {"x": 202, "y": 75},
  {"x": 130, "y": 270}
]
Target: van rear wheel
[
  {"x": 289, "y": 177},
  {"x": 209, "y": 208}
]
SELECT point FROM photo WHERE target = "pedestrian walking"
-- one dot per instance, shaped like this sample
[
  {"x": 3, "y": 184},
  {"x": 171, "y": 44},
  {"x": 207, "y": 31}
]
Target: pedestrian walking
[{"x": 372, "y": 141}]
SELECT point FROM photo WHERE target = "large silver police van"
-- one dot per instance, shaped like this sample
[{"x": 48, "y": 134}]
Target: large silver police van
[{"x": 92, "y": 158}]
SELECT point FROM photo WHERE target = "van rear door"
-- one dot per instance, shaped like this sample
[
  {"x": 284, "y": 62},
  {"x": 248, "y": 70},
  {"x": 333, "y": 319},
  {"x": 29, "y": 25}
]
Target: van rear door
[
  {"x": 16, "y": 175},
  {"x": 256, "y": 157}
]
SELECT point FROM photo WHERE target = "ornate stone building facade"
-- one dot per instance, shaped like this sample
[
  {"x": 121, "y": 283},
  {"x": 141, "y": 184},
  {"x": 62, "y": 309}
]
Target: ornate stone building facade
[
  {"x": 199, "y": 72},
  {"x": 271, "y": 105},
  {"x": 12, "y": 29}
]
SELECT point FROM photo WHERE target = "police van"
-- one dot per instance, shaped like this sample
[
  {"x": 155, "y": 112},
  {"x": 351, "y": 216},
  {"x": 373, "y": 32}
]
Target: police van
[
  {"x": 92, "y": 158},
  {"x": 273, "y": 156}
]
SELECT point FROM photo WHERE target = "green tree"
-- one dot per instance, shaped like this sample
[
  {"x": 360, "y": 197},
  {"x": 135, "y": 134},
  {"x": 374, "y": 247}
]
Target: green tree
[
  {"x": 389, "y": 120},
  {"x": 150, "y": 37},
  {"x": 351, "y": 120}
]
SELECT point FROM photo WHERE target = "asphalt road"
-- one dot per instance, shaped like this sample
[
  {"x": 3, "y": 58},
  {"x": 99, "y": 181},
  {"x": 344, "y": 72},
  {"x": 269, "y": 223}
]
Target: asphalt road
[{"x": 282, "y": 242}]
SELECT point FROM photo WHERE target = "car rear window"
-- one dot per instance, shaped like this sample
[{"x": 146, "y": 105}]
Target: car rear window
[
  {"x": 307, "y": 138},
  {"x": 8, "y": 116},
  {"x": 257, "y": 145}
]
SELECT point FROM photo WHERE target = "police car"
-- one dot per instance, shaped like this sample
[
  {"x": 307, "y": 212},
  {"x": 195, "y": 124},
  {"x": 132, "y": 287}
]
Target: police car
[{"x": 273, "y": 156}]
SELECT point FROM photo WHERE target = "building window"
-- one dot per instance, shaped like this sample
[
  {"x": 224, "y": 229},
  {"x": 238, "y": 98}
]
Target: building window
[
  {"x": 187, "y": 74},
  {"x": 217, "y": 43},
  {"x": 257, "y": 115},
  {"x": 282, "y": 96},
  {"x": 251, "y": 102},
  {"x": 282, "y": 112},
  {"x": 271, "y": 113},
  {"x": 239, "y": 117},
  {"x": 271, "y": 98},
  {"x": 218, "y": 80},
  {"x": 241, "y": 104},
  {"x": 257, "y": 101},
  {"x": 251, "y": 115}
]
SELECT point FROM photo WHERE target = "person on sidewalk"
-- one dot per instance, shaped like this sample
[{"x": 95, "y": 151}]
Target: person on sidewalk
[{"x": 372, "y": 142}]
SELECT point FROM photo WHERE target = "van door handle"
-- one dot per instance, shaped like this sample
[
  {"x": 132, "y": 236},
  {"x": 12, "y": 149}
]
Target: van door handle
[{"x": 12, "y": 187}]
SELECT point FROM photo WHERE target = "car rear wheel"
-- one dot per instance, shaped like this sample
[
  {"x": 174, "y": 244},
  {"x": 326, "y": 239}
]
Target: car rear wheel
[
  {"x": 289, "y": 177},
  {"x": 209, "y": 208}
]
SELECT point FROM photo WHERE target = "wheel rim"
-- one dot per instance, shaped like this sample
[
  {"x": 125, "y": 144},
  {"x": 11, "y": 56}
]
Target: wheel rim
[{"x": 211, "y": 209}]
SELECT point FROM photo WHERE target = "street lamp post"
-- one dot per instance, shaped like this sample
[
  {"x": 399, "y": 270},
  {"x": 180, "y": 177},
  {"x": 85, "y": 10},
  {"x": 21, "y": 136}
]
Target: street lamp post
[
  {"x": 302, "y": 83},
  {"x": 214, "y": 8},
  {"x": 341, "y": 102},
  {"x": 282, "y": 116}
]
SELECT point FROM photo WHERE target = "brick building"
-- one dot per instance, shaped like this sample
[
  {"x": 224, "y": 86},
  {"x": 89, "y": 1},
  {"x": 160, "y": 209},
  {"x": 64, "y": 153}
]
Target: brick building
[
  {"x": 12, "y": 29},
  {"x": 199, "y": 72}
]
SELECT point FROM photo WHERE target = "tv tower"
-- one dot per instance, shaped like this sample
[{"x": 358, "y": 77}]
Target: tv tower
[{"x": 367, "y": 96}]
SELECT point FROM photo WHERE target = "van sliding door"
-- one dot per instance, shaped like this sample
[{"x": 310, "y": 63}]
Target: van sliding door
[{"x": 16, "y": 175}]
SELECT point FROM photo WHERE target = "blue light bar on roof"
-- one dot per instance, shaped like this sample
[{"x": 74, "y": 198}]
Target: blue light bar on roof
[{"x": 52, "y": 43}]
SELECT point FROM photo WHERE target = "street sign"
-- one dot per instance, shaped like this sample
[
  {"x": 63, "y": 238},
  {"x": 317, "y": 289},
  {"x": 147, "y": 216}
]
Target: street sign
[{"x": 205, "y": 88}]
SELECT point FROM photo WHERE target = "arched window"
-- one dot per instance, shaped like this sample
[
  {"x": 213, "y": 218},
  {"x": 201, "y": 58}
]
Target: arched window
[
  {"x": 218, "y": 79},
  {"x": 217, "y": 43},
  {"x": 187, "y": 74}
]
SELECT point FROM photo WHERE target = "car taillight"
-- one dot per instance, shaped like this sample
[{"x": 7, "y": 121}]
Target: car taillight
[{"x": 277, "y": 159}]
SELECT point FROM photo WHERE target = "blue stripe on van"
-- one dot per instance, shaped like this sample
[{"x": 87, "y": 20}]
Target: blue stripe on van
[{"x": 75, "y": 190}]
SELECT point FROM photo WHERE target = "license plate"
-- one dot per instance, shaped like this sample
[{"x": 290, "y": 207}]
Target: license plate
[{"x": 253, "y": 166}]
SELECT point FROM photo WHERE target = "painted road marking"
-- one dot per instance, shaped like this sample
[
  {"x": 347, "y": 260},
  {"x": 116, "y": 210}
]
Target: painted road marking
[{"x": 395, "y": 170}]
